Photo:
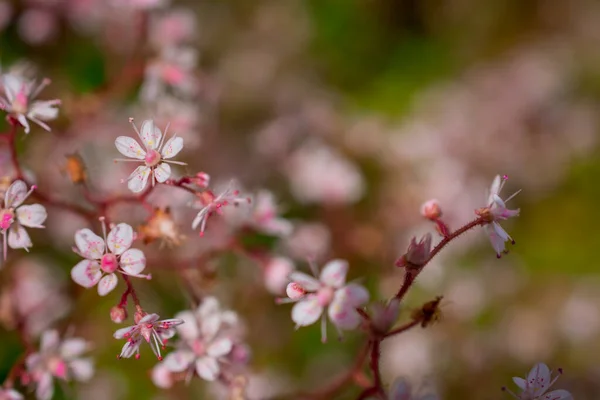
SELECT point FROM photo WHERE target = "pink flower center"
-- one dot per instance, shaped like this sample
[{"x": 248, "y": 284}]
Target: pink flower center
[
  {"x": 7, "y": 217},
  {"x": 109, "y": 263},
  {"x": 152, "y": 158},
  {"x": 58, "y": 367},
  {"x": 325, "y": 296},
  {"x": 20, "y": 103},
  {"x": 198, "y": 347}
]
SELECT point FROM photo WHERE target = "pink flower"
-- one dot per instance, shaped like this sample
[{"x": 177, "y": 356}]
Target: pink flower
[
  {"x": 209, "y": 203},
  {"x": 149, "y": 328},
  {"x": 329, "y": 292},
  {"x": 207, "y": 341},
  {"x": 431, "y": 209},
  {"x": 264, "y": 216},
  {"x": 156, "y": 156},
  {"x": 10, "y": 394},
  {"x": 496, "y": 211},
  {"x": 99, "y": 266},
  {"x": 56, "y": 359},
  {"x": 18, "y": 101},
  {"x": 276, "y": 273},
  {"x": 14, "y": 216},
  {"x": 537, "y": 383}
]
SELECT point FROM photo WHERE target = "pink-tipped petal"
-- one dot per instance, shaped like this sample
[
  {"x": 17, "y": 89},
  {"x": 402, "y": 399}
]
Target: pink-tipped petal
[
  {"x": 120, "y": 238},
  {"x": 129, "y": 147},
  {"x": 133, "y": 261},
  {"x": 306, "y": 281},
  {"x": 107, "y": 284},
  {"x": 207, "y": 368},
  {"x": 82, "y": 369},
  {"x": 172, "y": 147},
  {"x": 90, "y": 245},
  {"x": 150, "y": 134},
  {"x": 334, "y": 273},
  {"x": 306, "y": 311},
  {"x": 162, "y": 172},
  {"x": 15, "y": 194},
  {"x": 86, "y": 273},
  {"x": 18, "y": 238},
  {"x": 138, "y": 179},
  {"x": 32, "y": 216}
]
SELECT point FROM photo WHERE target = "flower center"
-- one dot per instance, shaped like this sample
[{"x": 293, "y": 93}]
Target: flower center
[
  {"x": 152, "y": 158},
  {"x": 485, "y": 213},
  {"x": 198, "y": 347},
  {"x": 20, "y": 103},
  {"x": 109, "y": 263},
  {"x": 325, "y": 296},
  {"x": 57, "y": 367},
  {"x": 7, "y": 217}
]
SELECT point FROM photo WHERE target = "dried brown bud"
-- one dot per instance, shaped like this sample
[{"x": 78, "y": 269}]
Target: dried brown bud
[
  {"x": 429, "y": 313},
  {"x": 74, "y": 167},
  {"x": 161, "y": 225}
]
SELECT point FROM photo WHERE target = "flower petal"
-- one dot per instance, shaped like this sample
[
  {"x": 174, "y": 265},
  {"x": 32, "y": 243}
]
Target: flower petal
[
  {"x": 107, "y": 284},
  {"x": 120, "y": 238},
  {"x": 220, "y": 347},
  {"x": 343, "y": 314},
  {"x": 162, "y": 172},
  {"x": 150, "y": 134},
  {"x": 43, "y": 110},
  {"x": 73, "y": 348},
  {"x": 149, "y": 318},
  {"x": 520, "y": 382},
  {"x": 210, "y": 325},
  {"x": 15, "y": 194},
  {"x": 353, "y": 294},
  {"x": 496, "y": 241},
  {"x": 172, "y": 147},
  {"x": 12, "y": 85},
  {"x": 138, "y": 179},
  {"x": 125, "y": 332},
  {"x": 306, "y": 281},
  {"x": 86, "y": 273},
  {"x": 18, "y": 238},
  {"x": 538, "y": 379},
  {"x": 82, "y": 369},
  {"x": 334, "y": 273},
  {"x": 161, "y": 376},
  {"x": 207, "y": 368},
  {"x": 558, "y": 395},
  {"x": 90, "y": 245},
  {"x": 494, "y": 189},
  {"x": 189, "y": 329},
  {"x": 130, "y": 347},
  {"x": 306, "y": 311},
  {"x": 49, "y": 341},
  {"x": 399, "y": 390},
  {"x": 32, "y": 216},
  {"x": 179, "y": 361},
  {"x": 129, "y": 147},
  {"x": 133, "y": 261},
  {"x": 45, "y": 387},
  {"x": 209, "y": 306}
]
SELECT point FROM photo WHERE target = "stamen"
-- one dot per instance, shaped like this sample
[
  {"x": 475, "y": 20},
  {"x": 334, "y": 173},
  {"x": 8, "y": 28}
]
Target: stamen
[
  {"x": 136, "y": 129},
  {"x": 162, "y": 139},
  {"x": 102, "y": 220}
]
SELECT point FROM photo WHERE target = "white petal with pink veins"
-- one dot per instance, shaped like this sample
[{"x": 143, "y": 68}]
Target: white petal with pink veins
[
  {"x": 162, "y": 172},
  {"x": 90, "y": 245},
  {"x": 334, "y": 273},
  {"x": 120, "y": 238},
  {"x": 86, "y": 273},
  {"x": 124, "y": 332},
  {"x": 131, "y": 347},
  {"x": 15, "y": 194},
  {"x": 138, "y": 179},
  {"x": 352, "y": 294},
  {"x": 129, "y": 147},
  {"x": 558, "y": 395},
  {"x": 172, "y": 147},
  {"x": 207, "y": 368},
  {"x": 189, "y": 329},
  {"x": 306, "y": 281},
  {"x": 107, "y": 284},
  {"x": 219, "y": 348},
  {"x": 150, "y": 134},
  {"x": 496, "y": 240},
  {"x": 538, "y": 379},
  {"x": 18, "y": 238},
  {"x": 307, "y": 311},
  {"x": 179, "y": 361},
  {"x": 32, "y": 216},
  {"x": 133, "y": 261}
]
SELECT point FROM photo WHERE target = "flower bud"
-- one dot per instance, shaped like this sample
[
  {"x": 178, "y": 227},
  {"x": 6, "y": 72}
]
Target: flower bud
[
  {"x": 417, "y": 254},
  {"x": 431, "y": 210},
  {"x": 201, "y": 179},
  {"x": 295, "y": 291},
  {"x": 118, "y": 314},
  {"x": 383, "y": 316},
  {"x": 139, "y": 314}
]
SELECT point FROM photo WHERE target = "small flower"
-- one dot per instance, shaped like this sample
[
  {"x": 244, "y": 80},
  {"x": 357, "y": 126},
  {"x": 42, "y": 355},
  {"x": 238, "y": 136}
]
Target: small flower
[
  {"x": 264, "y": 216},
  {"x": 495, "y": 211},
  {"x": 156, "y": 156},
  {"x": 149, "y": 328},
  {"x": 417, "y": 254},
  {"x": 431, "y": 210},
  {"x": 537, "y": 383},
  {"x": 99, "y": 266},
  {"x": 209, "y": 203},
  {"x": 161, "y": 225},
  {"x": 18, "y": 101},
  {"x": 329, "y": 292},
  {"x": 401, "y": 390},
  {"x": 14, "y": 216},
  {"x": 10, "y": 394},
  {"x": 56, "y": 359}
]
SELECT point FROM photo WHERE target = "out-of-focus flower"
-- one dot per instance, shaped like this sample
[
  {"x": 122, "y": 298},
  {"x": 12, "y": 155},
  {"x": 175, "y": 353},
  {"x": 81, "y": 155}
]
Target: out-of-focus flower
[
  {"x": 38, "y": 26},
  {"x": 329, "y": 292},
  {"x": 173, "y": 28},
  {"x": 417, "y": 254},
  {"x": 431, "y": 209},
  {"x": 276, "y": 273},
  {"x": 537, "y": 383},
  {"x": 99, "y": 266},
  {"x": 311, "y": 238},
  {"x": 384, "y": 315},
  {"x": 156, "y": 156},
  {"x": 14, "y": 216},
  {"x": 10, "y": 394},
  {"x": 148, "y": 328},
  {"x": 140, "y": 4},
  {"x": 18, "y": 101},
  {"x": 174, "y": 68},
  {"x": 496, "y": 211},
  {"x": 58, "y": 359},
  {"x": 209, "y": 203},
  {"x": 5, "y": 14},
  {"x": 161, "y": 225},
  {"x": 319, "y": 174},
  {"x": 264, "y": 216},
  {"x": 208, "y": 339},
  {"x": 401, "y": 390}
]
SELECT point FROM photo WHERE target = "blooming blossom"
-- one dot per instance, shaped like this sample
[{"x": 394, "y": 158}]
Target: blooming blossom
[
  {"x": 10, "y": 394},
  {"x": 58, "y": 359},
  {"x": 209, "y": 203},
  {"x": 156, "y": 156},
  {"x": 18, "y": 101},
  {"x": 208, "y": 340},
  {"x": 264, "y": 216},
  {"x": 537, "y": 383},
  {"x": 495, "y": 211},
  {"x": 329, "y": 292},
  {"x": 149, "y": 328},
  {"x": 99, "y": 266},
  {"x": 14, "y": 216}
]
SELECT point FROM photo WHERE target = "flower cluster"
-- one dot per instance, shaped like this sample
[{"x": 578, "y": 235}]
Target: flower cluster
[{"x": 536, "y": 385}]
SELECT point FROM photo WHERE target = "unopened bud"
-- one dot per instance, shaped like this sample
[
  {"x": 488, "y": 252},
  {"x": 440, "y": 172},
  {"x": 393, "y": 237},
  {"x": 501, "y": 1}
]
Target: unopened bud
[
  {"x": 295, "y": 291},
  {"x": 202, "y": 179},
  {"x": 431, "y": 210},
  {"x": 118, "y": 314},
  {"x": 417, "y": 254},
  {"x": 383, "y": 316}
]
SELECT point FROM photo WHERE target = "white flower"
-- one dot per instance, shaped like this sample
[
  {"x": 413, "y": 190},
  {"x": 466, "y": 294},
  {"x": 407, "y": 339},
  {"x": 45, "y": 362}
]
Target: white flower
[
  {"x": 209, "y": 203},
  {"x": 495, "y": 211},
  {"x": 156, "y": 156},
  {"x": 208, "y": 337},
  {"x": 313, "y": 296},
  {"x": 401, "y": 390},
  {"x": 149, "y": 328},
  {"x": 10, "y": 394},
  {"x": 18, "y": 101},
  {"x": 60, "y": 360},
  {"x": 99, "y": 266},
  {"x": 14, "y": 216},
  {"x": 537, "y": 383}
]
